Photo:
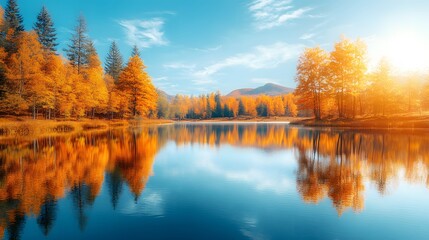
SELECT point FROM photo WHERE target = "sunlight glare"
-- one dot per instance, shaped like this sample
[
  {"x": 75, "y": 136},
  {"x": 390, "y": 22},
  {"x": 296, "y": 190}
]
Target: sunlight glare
[{"x": 407, "y": 52}]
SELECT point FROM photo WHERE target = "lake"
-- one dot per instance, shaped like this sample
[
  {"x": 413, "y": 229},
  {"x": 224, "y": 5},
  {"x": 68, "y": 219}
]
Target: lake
[{"x": 216, "y": 181}]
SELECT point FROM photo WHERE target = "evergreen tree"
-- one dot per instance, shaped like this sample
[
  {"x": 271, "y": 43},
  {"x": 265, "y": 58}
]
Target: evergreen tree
[
  {"x": 47, "y": 215},
  {"x": 89, "y": 50},
  {"x": 262, "y": 110},
  {"x": 226, "y": 111},
  {"x": 209, "y": 111},
  {"x": 135, "y": 51},
  {"x": 218, "y": 109},
  {"x": 241, "y": 108},
  {"x": 77, "y": 51},
  {"x": 114, "y": 184},
  {"x": 114, "y": 63},
  {"x": 13, "y": 18},
  {"x": 12, "y": 27},
  {"x": 44, "y": 28}
]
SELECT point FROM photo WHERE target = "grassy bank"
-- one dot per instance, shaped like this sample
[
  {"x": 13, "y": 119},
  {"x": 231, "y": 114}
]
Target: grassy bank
[
  {"x": 25, "y": 127},
  {"x": 391, "y": 122}
]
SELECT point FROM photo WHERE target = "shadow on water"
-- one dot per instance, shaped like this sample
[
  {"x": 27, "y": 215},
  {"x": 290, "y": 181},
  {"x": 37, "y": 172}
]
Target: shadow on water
[{"x": 331, "y": 164}]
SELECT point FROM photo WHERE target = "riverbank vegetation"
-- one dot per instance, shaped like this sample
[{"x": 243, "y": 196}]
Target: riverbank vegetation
[
  {"x": 27, "y": 127},
  {"x": 339, "y": 85},
  {"x": 216, "y": 106}
]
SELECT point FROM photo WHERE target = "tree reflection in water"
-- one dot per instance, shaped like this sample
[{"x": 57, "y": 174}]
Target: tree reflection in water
[{"x": 332, "y": 164}]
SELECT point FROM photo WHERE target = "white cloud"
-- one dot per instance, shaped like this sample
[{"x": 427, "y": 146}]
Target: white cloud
[
  {"x": 210, "y": 49},
  {"x": 272, "y": 13},
  {"x": 152, "y": 205},
  {"x": 261, "y": 57},
  {"x": 307, "y": 36},
  {"x": 179, "y": 65},
  {"x": 144, "y": 33},
  {"x": 270, "y": 176}
]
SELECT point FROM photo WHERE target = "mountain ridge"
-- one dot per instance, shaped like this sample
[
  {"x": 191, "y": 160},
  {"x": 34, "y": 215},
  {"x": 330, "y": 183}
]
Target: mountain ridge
[{"x": 270, "y": 89}]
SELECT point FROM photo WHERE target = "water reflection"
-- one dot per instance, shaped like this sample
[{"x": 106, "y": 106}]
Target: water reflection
[
  {"x": 34, "y": 175},
  {"x": 333, "y": 164}
]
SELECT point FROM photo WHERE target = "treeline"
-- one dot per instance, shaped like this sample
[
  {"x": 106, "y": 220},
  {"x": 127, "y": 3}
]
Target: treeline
[
  {"x": 214, "y": 105},
  {"x": 35, "y": 80},
  {"x": 338, "y": 84}
]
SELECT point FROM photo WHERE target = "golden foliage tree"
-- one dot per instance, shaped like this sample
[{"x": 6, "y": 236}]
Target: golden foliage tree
[
  {"x": 347, "y": 67},
  {"x": 97, "y": 90},
  {"x": 382, "y": 88},
  {"x": 28, "y": 84},
  {"x": 312, "y": 78},
  {"x": 138, "y": 89}
]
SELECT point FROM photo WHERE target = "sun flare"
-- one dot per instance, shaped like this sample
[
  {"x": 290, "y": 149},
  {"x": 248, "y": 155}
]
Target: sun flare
[{"x": 406, "y": 52}]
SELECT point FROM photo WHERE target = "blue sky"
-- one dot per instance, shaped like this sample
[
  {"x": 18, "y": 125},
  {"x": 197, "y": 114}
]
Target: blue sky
[{"x": 200, "y": 46}]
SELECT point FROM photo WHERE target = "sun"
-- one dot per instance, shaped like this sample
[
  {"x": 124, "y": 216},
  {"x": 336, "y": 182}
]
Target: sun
[{"x": 407, "y": 52}]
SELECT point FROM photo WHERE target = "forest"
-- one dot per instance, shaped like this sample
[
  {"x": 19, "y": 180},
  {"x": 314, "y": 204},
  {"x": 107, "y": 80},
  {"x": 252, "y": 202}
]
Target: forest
[
  {"x": 37, "y": 82},
  {"x": 340, "y": 84}
]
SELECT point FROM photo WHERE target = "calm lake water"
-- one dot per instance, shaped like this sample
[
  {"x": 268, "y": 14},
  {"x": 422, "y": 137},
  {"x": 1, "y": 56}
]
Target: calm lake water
[{"x": 216, "y": 181}]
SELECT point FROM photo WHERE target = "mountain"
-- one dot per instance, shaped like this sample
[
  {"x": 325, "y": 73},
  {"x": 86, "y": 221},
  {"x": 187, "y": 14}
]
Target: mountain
[
  {"x": 269, "y": 89},
  {"x": 164, "y": 94}
]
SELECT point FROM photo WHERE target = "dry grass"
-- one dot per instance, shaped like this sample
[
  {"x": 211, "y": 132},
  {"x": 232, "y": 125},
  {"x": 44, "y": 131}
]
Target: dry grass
[
  {"x": 26, "y": 127},
  {"x": 413, "y": 121}
]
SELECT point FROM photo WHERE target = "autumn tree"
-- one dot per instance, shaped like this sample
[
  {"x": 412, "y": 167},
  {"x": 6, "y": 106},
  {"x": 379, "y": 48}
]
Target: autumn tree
[
  {"x": 3, "y": 55},
  {"x": 264, "y": 106},
  {"x": 44, "y": 27},
  {"x": 425, "y": 95},
  {"x": 114, "y": 62},
  {"x": 233, "y": 105},
  {"x": 412, "y": 90},
  {"x": 312, "y": 79},
  {"x": 180, "y": 106},
  {"x": 137, "y": 86},
  {"x": 97, "y": 90},
  {"x": 113, "y": 99},
  {"x": 163, "y": 106},
  {"x": 347, "y": 67},
  {"x": 249, "y": 106},
  {"x": 278, "y": 106},
  {"x": 28, "y": 83},
  {"x": 381, "y": 89},
  {"x": 54, "y": 71},
  {"x": 211, "y": 105},
  {"x": 289, "y": 102}
]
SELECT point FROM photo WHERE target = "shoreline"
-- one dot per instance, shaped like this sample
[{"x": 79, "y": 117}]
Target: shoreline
[
  {"x": 27, "y": 127},
  {"x": 371, "y": 123},
  {"x": 244, "y": 120}
]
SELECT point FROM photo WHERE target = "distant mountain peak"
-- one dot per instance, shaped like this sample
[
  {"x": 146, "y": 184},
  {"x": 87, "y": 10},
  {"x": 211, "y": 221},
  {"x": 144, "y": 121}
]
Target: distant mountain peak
[{"x": 270, "y": 89}]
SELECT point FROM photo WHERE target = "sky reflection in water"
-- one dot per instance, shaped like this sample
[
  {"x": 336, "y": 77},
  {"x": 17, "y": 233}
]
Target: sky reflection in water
[{"x": 214, "y": 181}]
